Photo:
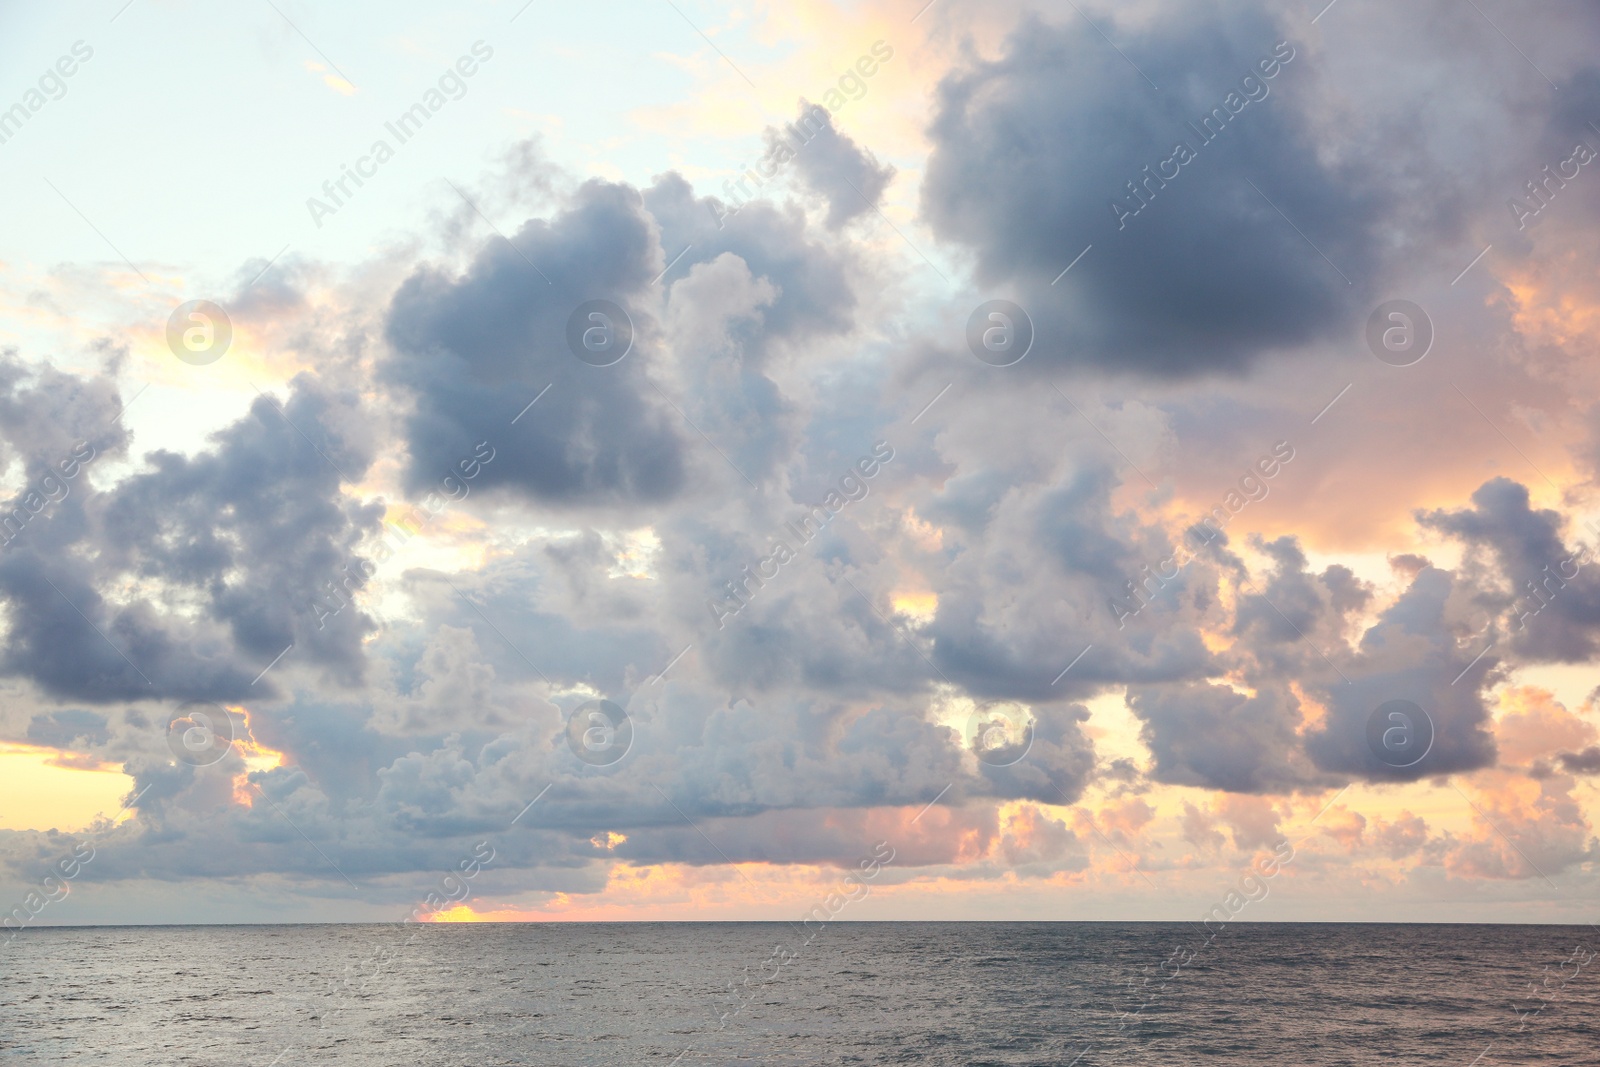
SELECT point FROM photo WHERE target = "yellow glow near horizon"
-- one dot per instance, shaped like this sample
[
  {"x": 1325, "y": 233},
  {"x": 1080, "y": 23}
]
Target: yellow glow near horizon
[{"x": 39, "y": 790}]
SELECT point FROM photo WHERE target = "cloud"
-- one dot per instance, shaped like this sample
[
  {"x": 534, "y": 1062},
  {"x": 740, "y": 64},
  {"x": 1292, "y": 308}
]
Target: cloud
[
  {"x": 1057, "y": 766},
  {"x": 847, "y": 177},
  {"x": 1035, "y": 554},
  {"x": 1252, "y": 821},
  {"x": 1213, "y": 736},
  {"x": 1534, "y": 726},
  {"x": 1553, "y": 610},
  {"x": 45, "y": 413},
  {"x": 1032, "y": 148},
  {"x": 1525, "y": 830},
  {"x": 472, "y": 351},
  {"x": 1413, "y": 651},
  {"x": 61, "y": 729},
  {"x": 1402, "y": 837},
  {"x": 1200, "y": 828},
  {"x": 817, "y": 282},
  {"x": 246, "y": 536},
  {"x": 1585, "y": 762}
]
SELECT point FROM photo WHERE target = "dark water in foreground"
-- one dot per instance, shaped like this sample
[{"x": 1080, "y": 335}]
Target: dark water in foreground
[{"x": 860, "y": 993}]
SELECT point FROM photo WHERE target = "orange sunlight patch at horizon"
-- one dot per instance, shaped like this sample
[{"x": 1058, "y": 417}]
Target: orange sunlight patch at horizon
[
  {"x": 49, "y": 789},
  {"x": 950, "y": 858}
]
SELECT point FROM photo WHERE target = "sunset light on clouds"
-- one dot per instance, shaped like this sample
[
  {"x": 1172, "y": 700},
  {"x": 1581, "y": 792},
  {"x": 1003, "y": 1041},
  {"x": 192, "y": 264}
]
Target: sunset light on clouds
[{"x": 696, "y": 462}]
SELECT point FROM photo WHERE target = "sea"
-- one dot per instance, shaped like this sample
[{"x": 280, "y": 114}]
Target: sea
[{"x": 968, "y": 994}]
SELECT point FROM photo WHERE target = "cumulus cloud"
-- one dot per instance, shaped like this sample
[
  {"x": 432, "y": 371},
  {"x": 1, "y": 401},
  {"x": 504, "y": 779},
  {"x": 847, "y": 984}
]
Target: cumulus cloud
[
  {"x": 1553, "y": 608},
  {"x": 250, "y": 534},
  {"x": 1412, "y": 652},
  {"x": 1033, "y": 148},
  {"x": 1214, "y": 736},
  {"x": 1314, "y": 188},
  {"x": 474, "y": 351},
  {"x": 847, "y": 177}
]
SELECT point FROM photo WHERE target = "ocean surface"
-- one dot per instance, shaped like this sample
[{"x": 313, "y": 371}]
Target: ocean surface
[{"x": 761, "y": 993}]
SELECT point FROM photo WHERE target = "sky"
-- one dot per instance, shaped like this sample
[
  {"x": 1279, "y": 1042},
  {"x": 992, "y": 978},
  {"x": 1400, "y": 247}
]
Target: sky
[{"x": 716, "y": 460}]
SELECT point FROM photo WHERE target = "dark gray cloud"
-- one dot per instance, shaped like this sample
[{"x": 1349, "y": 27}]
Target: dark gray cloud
[
  {"x": 1031, "y": 149},
  {"x": 1328, "y": 188},
  {"x": 250, "y": 532},
  {"x": 830, "y": 164},
  {"x": 1213, "y": 736},
  {"x": 45, "y": 413},
  {"x": 75, "y": 644},
  {"x": 782, "y": 781},
  {"x": 1058, "y": 764},
  {"x": 258, "y": 526},
  {"x": 816, "y": 281},
  {"x": 1584, "y": 762},
  {"x": 61, "y": 729},
  {"x": 1290, "y": 625},
  {"x": 1552, "y": 610},
  {"x": 473, "y": 351},
  {"x": 1420, "y": 649}
]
